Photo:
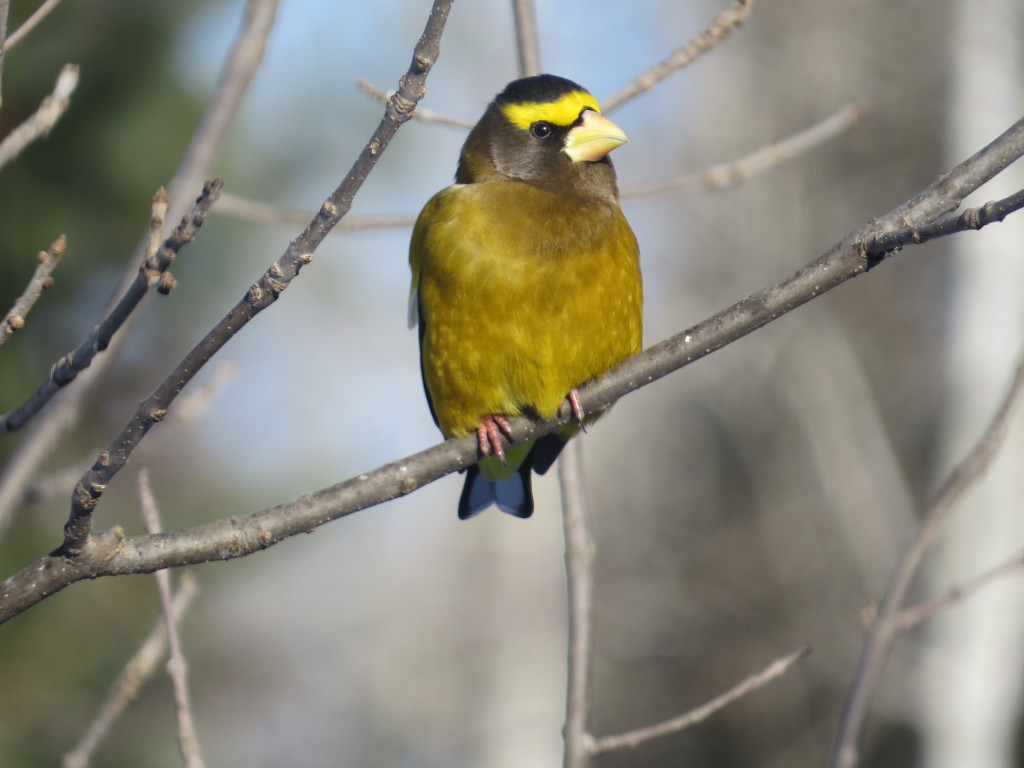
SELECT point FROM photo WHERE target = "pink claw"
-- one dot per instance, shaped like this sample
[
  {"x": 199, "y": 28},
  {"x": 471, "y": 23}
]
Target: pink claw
[
  {"x": 577, "y": 409},
  {"x": 489, "y": 433}
]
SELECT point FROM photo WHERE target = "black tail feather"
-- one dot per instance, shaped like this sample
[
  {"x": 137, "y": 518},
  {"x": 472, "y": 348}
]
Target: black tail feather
[
  {"x": 545, "y": 451},
  {"x": 514, "y": 495}
]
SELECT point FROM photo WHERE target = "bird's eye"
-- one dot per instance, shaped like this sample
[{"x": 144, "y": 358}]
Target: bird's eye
[{"x": 540, "y": 130}]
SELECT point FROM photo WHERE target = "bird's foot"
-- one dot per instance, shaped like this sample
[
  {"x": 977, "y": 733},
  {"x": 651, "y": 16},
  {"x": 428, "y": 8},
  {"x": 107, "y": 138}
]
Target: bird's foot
[
  {"x": 577, "y": 409},
  {"x": 489, "y": 433}
]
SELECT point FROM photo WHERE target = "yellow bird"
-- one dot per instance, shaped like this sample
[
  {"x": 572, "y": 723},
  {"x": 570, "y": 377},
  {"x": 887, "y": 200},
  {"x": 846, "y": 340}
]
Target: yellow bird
[{"x": 525, "y": 281}]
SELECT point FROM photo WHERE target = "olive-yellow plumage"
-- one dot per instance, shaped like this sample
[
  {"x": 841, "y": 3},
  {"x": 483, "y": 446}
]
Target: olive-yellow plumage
[{"x": 526, "y": 279}]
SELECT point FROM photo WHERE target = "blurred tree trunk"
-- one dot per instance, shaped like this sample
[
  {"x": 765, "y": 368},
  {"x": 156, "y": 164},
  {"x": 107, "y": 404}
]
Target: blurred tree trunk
[{"x": 971, "y": 688}]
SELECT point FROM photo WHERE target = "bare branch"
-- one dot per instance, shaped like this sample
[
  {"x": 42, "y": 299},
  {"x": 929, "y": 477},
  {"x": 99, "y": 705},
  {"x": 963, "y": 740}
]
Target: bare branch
[
  {"x": 29, "y": 24},
  {"x": 758, "y": 680},
  {"x": 41, "y": 279},
  {"x": 264, "y": 213},
  {"x": 177, "y": 668},
  {"x": 192, "y": 405},
  {"x": 243, "y": 61},
  {"x": 425, "y": 115},
  {"x": 5, "y": 7},
  {"x": 725, "y": 175},
  {"x": 150, "y": 273},
  {"x": 972, "y": 218},
  {"x": 157, "y": 216},
  {"x": 43, "y": 119},
  {"x": 719, "y": 29},
  {"x": 52, "y": 484},
  {"x": 524, "y": 19},
  {"x": 136, "y": 673},
  {"x": 579, "y": 578},
  {"x": 912, "y": 617},
  {"x": 887, "y": 624},
  {"x": 111, "y": 553}
]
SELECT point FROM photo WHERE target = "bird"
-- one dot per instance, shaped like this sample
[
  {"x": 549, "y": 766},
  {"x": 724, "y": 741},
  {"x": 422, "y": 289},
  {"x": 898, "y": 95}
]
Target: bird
[{"x": 526, "y": 282}]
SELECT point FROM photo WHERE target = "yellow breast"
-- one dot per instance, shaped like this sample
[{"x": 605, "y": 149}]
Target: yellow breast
[{"x": 523, "y": 295}]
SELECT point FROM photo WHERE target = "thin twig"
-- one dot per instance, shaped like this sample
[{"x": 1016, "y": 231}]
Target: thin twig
[
  {"x": 177, "y": 667},
  {"x": 5, "y": 7},
  {"x": 885, "y": 628},
  {"x": 41, "y": 122},
  {"x": 579, "y": 582},
  {"x": 111, "y": 553},
  {"x": 29, "y": 24},
  {"x": 524, "y": 19},
  {"x": 912, "y": 617},
  {"x": 137, "y": 672},
  {"x": 41, "y": 279},
  {"x": 725, "y": 175},
  {"x": 240, "y": 67},
  {"x": 971, "y": 218},
  {"x": 758, "y": 680},
  {"x": 52, "y": 484},
  {"x": 265, "y": 213},
  {"x": 719, "y": 29},
  {"x": 159, "y": 206},
  {"x": 192, "y": 405},
  {"x": 150, "y": 274},
  {"x": 425, "y": 115}
]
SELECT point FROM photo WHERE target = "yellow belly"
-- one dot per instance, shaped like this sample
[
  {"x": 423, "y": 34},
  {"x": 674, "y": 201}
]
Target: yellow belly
[{"x": 514, "y": 316}]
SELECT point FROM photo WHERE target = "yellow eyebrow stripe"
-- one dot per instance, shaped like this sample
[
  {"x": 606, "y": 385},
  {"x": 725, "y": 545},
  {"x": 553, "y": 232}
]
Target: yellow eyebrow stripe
[{"x": 562, "y": 112}]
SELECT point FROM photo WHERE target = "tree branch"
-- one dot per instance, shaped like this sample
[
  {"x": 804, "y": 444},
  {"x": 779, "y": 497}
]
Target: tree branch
[
  {"x": 723, "y": 25},
  {"x": 724, "y": 175},
  {"x": 177, "y": 668},
  {"x": 266, "y": 213},
  {"x": 110, "y": 553},
  {"x": 888, "y": 623},
  {"x": 29, "y": 24},
  {"x": 239, "y": 68},
  {"x": 425, "y": 115},
  {"x": 150, "y": 273},
  {"x": 41, "y": 122},
  {"x": 972, "y": 218},
  {"x": 5, "y": 7},
  {"x": 579, "y": 582},
  {"x": 912, "y": 617},
  {"x": 524, "y": 19},
  {"x": 137, "y": 671},
  {"x": 758, "y": 680},
  {"x": 41, "y": 279}
]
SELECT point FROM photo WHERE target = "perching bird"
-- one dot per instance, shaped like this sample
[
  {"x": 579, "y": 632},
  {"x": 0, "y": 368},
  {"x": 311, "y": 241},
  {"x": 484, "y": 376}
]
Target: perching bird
[{"x": 525, "y": 281}]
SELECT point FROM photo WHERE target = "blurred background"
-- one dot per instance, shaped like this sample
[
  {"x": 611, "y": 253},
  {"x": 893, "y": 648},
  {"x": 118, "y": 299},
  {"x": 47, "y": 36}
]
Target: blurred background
[{"x": 744, "y": 505}]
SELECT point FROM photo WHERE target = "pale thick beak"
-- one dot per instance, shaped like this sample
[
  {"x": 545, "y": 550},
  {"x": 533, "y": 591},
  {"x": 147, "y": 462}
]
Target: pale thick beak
[{"x": 594, "y": 138}]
